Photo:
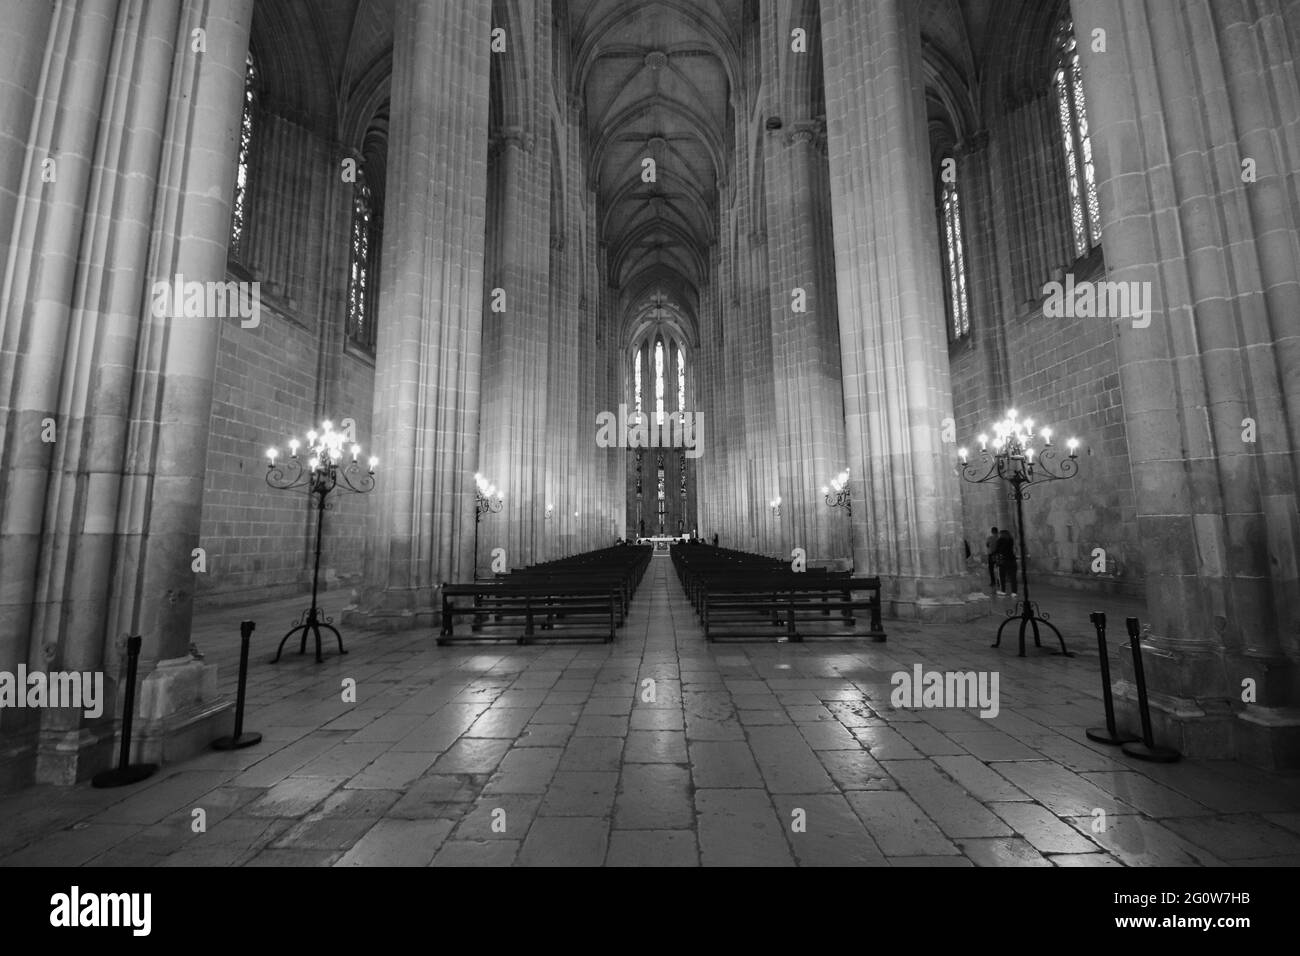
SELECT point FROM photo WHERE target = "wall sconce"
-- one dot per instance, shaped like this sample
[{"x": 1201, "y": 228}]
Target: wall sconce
[{"x": 837, "y": 495}]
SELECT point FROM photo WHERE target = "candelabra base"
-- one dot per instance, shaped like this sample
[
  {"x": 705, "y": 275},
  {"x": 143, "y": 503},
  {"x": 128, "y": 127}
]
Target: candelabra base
[
  {"x": 311, "y": 623},
  {"x": 1026, "y": 612}
]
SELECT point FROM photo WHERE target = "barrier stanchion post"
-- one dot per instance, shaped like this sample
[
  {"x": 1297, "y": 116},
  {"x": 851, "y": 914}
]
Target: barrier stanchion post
[
  {"x": 126, "y": 772},
  {"x": 1144, "y": 749},
  {"x": 1108, "y": 735},
  {"x": 239, "y": 738}
]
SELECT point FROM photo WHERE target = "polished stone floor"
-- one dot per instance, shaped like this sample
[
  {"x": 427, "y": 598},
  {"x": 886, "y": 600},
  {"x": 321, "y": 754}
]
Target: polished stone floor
[{"x": 663, "y": 750}]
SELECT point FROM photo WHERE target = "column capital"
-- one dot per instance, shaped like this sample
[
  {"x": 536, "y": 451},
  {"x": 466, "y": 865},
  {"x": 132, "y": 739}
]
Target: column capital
[
  {"x": 806, "y": 131},
  {"x": 976, "y": 142},
  {"x": 515, "y": 136}
]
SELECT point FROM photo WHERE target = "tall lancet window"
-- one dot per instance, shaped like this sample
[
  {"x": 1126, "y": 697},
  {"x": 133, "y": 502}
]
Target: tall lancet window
[
  {"x": 954, "y": 259},
  {"x": 361, "y": 276},
  {"x": 636, "y": 374},
  {"x": 681, "y": 380},
  {"x": 659, "y": 382},
  {"x": 1067, "y": 84},
  {"x": 239, "y": 206}
]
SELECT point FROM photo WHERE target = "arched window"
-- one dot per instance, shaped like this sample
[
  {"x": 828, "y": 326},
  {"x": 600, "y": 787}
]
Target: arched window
[
  {"x": 659, "y": 382},
  {"x": 362, "y": 273},
  {"x": 681, "y": 380},
  {"x": 1067, "y": 86},
  {"x": 239, "y": 207},
  {"x": 954, "y": 258},
  {"x": 636, "y": 374}
]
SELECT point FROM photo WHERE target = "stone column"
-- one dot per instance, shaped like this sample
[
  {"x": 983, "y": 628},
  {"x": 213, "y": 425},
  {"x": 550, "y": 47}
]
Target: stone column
[
  {"x": 809, "y": 425},
  {"x": 1195, "y": 117},
  {"x": 427, "y": 364},
  {"x": 159, "y": 510},
  {"x": 51, "y": 78},
  {"x": 139, "y": 109},
  {"x": 513, "y": 422},
  {"x": 897, "y": 390}
]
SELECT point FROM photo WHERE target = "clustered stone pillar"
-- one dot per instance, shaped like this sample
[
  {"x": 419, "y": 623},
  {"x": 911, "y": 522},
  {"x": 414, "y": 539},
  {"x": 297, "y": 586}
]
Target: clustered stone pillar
[
  {"x": 1195, "y": 117},
  {"x": 421, "y": 529},
  {"x": 129, "y": 114},
  {"x": 809, "y": 425},
  {"x": 897, "y": 391}
]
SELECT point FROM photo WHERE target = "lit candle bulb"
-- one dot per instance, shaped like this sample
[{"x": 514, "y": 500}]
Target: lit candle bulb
[
  {"x": 293, "y": 447},
  {"x": 1073, "y": 445},
  {"x": 961, "y": 453},
  {"x": 327, "y": 427},
  {"x": 984, "y": 441},
  {"x": 356, "y": 450},
  {"x": 825, "y": 490},
  {"x": 373, "y": 463},
  {"x": 270, "y": 457},
  {"x": 311, "y": 437},
  {"x": 1047, "y": 436},
  {"x": 314, "y": 462},
  {"x": 1011, "y": 414},
  {"x": 1029, "y": 455}
]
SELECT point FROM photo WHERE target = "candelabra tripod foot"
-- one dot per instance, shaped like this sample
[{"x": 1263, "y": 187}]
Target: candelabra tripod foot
[
  {"x": 1026, "y": 612},
  {"x": 312, "y": 624}
]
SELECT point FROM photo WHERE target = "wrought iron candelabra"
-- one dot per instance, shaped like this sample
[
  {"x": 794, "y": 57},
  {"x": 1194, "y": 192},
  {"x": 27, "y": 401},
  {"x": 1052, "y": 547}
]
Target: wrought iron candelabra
[
  {"x": 1015, "y": 460},
  {"x": 323, "y": 473}
]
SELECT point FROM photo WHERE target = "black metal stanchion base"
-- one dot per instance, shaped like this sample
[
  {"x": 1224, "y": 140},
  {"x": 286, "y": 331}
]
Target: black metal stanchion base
[
  {"x": 1103, "y": 736},
  {"x": 235, "y": 743},
  {"x": 123, "y": 776},
  {"x": 312, "y": 624},
  {"x": 1027, "y": 614},
  {"x": 1154, "y": 753}
]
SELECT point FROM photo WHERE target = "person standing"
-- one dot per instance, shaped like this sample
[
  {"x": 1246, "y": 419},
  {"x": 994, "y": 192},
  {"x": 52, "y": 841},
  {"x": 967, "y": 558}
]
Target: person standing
[
  {"x": 1006, "y": 555},
  {"x": 990, "y": 548}
]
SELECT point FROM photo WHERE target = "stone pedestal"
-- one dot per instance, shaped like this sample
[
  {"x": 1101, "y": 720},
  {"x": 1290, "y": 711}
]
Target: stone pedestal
[{"x": 179, "y": 712}]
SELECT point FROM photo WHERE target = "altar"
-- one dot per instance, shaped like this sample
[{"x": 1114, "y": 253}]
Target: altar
[{"x": 662, "y": 543}]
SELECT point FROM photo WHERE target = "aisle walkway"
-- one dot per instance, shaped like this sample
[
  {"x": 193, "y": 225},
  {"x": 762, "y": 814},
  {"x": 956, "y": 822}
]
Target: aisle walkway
[{"x": 660, "y": 749}]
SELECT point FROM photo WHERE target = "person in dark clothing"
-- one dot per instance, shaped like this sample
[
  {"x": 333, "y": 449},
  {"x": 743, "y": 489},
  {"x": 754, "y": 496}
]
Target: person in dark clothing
[
  {"x": 715, "y": 539},
  {"x": 990, "y": 550},
  {"x": 1006, "y": 555}
]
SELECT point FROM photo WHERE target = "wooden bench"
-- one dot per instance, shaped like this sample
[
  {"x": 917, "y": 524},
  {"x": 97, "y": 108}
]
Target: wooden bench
[
  {"x": 504, "y": 610},
  {"x": 585, "y": 596},
  {"x": 820, "y": 607},
  {"x": 742, "y": 595}
]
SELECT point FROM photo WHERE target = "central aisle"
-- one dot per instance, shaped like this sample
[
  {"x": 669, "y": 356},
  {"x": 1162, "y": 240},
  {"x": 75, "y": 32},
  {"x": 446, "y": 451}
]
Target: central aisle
[{"x": 657, "y": 749}]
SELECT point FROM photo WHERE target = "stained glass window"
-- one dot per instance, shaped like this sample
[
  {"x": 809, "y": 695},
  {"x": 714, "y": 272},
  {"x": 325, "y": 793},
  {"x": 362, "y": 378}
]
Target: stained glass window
[
  {"x": 636, "y": 374},
  {"x": 659, "y": 382},
  {"x": 361, "y": 277},
  {"x": 239, "y": 206},
  {"x": 954, "y": 259},
  {"x": 681, "y": 380},
  {"x": 1067, "y": 85}
]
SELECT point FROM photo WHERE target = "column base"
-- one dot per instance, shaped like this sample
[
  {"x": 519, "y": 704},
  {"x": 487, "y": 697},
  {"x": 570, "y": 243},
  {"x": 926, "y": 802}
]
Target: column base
[
  {"x": 1269, "y": 737},
  {"x": 394, "y": 609},
  {"x": 65, "y": 757},
  {"x": 180, "y": 712},
  {"x": 1194, "y": 727},
  {"x": 18, "y": 760},
  {"x": 951, "y": 600}
]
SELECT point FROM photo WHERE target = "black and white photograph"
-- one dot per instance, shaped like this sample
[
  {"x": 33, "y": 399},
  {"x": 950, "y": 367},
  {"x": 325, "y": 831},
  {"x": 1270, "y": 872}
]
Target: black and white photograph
[{"x": 645, "y": 434}]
